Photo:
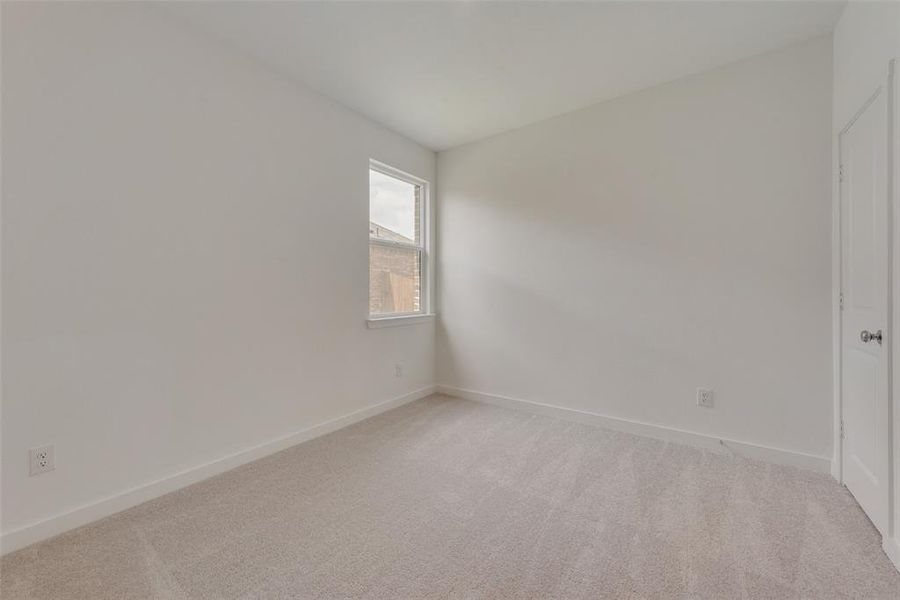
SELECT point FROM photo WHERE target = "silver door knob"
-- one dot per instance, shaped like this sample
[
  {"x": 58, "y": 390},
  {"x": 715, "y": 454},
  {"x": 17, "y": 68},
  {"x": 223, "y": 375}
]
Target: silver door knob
[{"x": 868, "y": 336}]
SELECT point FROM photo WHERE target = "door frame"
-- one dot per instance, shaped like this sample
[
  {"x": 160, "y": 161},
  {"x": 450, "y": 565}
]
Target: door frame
[
  {"x": 892, "y": 426},
  {"x": 891, "y": 542}
]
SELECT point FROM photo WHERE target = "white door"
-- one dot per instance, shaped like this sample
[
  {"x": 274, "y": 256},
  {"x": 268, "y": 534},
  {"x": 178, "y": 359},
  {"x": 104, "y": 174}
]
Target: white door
[{"x": 864, "y": 331}]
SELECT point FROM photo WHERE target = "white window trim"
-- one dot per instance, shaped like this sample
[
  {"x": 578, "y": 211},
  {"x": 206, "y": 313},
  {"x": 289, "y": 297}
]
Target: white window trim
[
  {"x": 426, "y": 229},
  {"x": 399, "y": 320}
]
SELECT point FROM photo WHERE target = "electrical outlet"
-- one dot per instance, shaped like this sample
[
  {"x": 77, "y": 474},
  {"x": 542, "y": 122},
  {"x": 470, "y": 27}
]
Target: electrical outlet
[
  {"x": 398, "y": 370},
  {"x": 704, "y": 397},
  {"x": 41, "y": 460}
]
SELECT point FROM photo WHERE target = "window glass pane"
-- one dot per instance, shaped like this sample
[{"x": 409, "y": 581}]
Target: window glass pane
[
  {"x": 394, "y": 280},
  {"x": 393, "y": 208}
]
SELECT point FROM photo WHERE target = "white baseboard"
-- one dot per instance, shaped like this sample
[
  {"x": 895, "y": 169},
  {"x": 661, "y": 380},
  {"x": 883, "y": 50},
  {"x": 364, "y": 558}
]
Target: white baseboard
[
  {"x": 780, "y": 456},
  {"x": 41, "y": 530},
  {"x": 836, "y": 469}
]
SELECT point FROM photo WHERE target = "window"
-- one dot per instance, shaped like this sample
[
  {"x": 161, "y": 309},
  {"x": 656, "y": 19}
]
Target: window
[{"x": 398, "y": 259}]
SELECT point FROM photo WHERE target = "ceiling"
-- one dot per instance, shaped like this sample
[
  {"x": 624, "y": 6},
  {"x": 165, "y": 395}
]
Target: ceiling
[{"x": 447, "y": 73}]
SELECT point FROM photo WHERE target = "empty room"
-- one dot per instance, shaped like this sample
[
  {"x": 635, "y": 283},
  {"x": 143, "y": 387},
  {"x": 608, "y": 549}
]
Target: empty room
[{"x": 625, "y": 323}]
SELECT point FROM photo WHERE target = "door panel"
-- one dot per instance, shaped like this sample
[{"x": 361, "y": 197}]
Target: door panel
[{"x": 864, "y": 368}]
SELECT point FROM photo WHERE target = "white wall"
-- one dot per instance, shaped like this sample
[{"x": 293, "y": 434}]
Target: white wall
[
  {"x": 184, "y": 255},
  {"x": 866, "y": 39},
  {"x": 614, "y": 259}
]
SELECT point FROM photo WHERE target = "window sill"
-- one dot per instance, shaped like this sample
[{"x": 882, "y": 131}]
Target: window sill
[{"x": 379, "y": 322}]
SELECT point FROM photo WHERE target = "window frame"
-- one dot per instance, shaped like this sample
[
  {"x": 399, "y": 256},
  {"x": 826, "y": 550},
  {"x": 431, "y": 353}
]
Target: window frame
[{"x": 426, "y": 264}]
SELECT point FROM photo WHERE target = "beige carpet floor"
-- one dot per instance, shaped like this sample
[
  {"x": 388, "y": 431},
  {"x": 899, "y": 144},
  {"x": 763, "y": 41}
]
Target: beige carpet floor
[{"x": 446, "y": 498}]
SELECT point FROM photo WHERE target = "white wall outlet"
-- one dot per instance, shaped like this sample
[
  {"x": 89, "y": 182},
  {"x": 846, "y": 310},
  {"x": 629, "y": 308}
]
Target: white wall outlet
[
  {"x": 704, "y": 397},
  {"x": 398, "y": 370},
  {"x": 41, "y": 460}
]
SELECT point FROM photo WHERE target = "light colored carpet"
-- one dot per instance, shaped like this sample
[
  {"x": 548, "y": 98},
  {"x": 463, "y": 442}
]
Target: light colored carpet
[{"x": 446, "y": 498}]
